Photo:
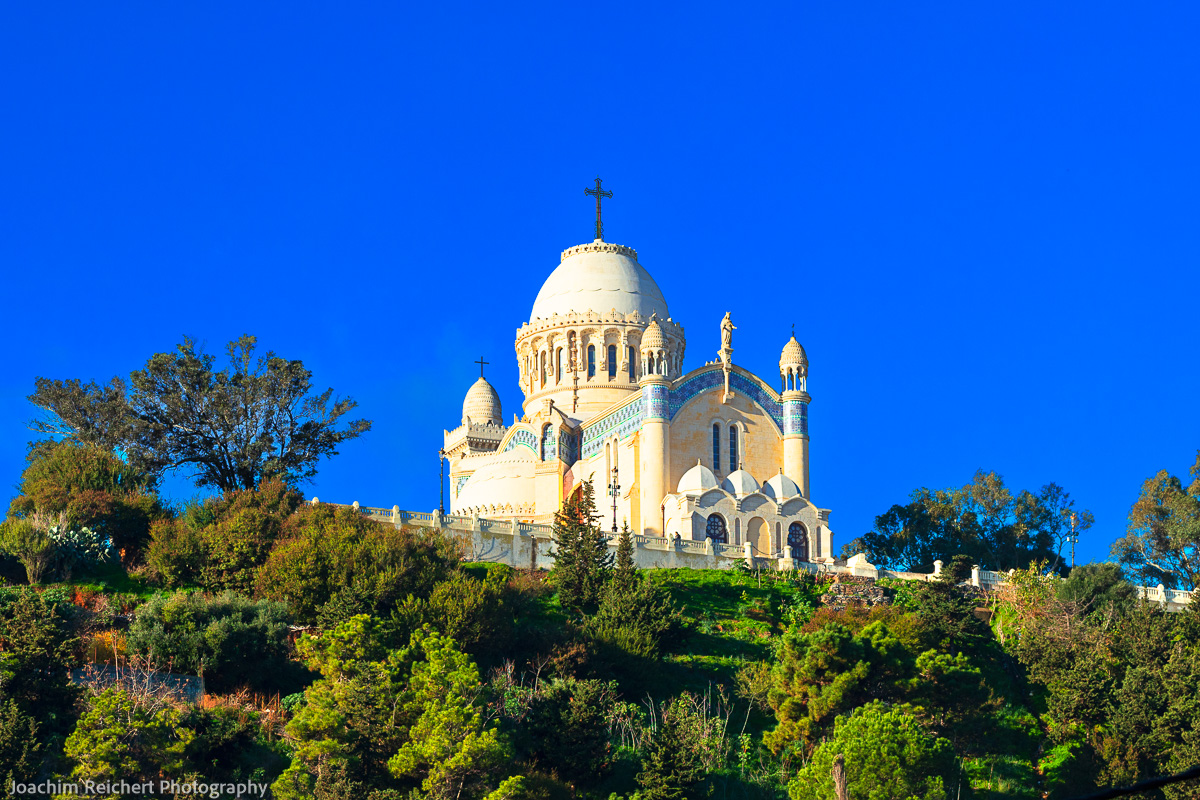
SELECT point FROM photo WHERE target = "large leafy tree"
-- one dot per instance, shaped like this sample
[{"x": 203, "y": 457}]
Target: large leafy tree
[
  {"x": 1162, "y": 542},
  {"x": 230, "y": 428},
  {"x": 984, "y": 520}
]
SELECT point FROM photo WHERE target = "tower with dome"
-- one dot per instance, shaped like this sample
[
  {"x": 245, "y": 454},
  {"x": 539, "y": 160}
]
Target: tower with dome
[{"x": 715, "y": 452}]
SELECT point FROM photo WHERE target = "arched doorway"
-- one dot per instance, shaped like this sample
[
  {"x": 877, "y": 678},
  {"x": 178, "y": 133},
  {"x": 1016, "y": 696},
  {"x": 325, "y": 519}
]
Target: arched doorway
[
  {"x": 758, "y": 533},
  {"x": 798, "y": 541},
  {"x": 716, "y": 530}
]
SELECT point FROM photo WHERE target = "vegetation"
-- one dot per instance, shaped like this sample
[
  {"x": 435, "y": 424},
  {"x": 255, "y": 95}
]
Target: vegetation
[
  {"x": 345, "y": 658},
  {"x": 231, "y": 428},
  {"x": 984, "y": 520}
]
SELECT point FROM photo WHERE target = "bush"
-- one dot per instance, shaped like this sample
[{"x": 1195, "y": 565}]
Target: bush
[
  {"x": 91, "y": 487},
  {"x": 338, "y": 557},
  {"x": 476, "y": 614},
  {"x": 887, "y": 754},
  {"x": 229, "y": 640},
  {"x": 37, "y": 647},
  {"x": 568, "y": 725},
  {"x": 221, "y": 542}
]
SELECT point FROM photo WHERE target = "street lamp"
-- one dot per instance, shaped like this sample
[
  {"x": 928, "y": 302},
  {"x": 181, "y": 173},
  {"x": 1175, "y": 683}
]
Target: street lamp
[
  {"x": 442, "y": 482},
  {"x": 613, "y": 489}
]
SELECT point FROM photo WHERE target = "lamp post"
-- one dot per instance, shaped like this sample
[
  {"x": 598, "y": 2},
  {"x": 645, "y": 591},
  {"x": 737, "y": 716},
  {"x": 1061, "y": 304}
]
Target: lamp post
[
  {"x": 613, "y": 489},
  {"x": 1074, "y": 539},
  {"x": 442, "y": 482}
]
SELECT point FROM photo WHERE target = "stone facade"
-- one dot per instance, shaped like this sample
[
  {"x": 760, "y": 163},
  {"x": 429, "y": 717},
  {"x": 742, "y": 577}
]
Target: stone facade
[{"x": 607, "y": 401}]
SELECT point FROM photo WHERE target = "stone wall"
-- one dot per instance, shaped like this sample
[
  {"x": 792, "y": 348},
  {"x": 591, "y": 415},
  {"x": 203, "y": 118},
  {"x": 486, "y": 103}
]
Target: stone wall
[{"x": 528, "y": 545}]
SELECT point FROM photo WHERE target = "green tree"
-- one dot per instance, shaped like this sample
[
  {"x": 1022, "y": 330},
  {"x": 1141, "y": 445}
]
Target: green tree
[
  {"x": 582, "y": 563},
  {"x": 20, "y": 749},
  {"x": 827, "y": 672},
  {"x": 568, "y": 726},
  {"x": 1162, "y": 542},
  {"x": 222, "y": 542},
  {"x": 37, "y": 644},
  {"x": 625, "y": 573},
  {"x": 123, "y": 737},
  {"x": 231, "y": 428},
  {"x": 476, "y": 614},
  {"x": 997, "y": 529},
  {"x": 28, "y": 541},
  {"x": 451, "y": 748},
  {"x": 384, "y": 719},
  {"x": 670, "y": 769},
  {"x": 887, "y": 754}
]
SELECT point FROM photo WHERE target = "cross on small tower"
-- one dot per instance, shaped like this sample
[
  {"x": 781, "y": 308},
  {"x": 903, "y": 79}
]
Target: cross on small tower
[
  {"x": 481, "y": 362},
  {"x": 598, "y": 193}
]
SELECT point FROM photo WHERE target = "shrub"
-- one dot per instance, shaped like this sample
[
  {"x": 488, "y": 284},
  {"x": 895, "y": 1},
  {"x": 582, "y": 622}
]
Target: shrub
[
  {"x": 337, "y": 556},
  {"x": 887, "y": 754},
  {"x": 91, "y": 487},
  {"x": 37, "y": 647},
  {"x": 220, "y": 543},
  {"x": 229, "y": 640},
  {"x": 568, "y": 725},
  {"x": 475, "y": 613},
  {"x": 28, "y": 541}
]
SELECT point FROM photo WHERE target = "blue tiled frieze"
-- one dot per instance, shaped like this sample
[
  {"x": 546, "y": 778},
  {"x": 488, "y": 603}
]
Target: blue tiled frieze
[
  {"x": 739, "y": 383},
  {"x": 795, "y": 417},
  {"x": 524, "y": 437},
  {"x": 549, "y": 442},
  {"x": 621, "y": 423},
  {"x": 568, "y": 446},
  {"x": 655, "y": 401}
]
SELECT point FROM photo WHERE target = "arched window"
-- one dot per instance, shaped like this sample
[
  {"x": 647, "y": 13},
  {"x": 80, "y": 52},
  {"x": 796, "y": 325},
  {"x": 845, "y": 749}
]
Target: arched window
[
  {"x": 542, "y": 381},
  {"x": 591, "y": 360},
  {"x": 733, "y": 448},
  {"x": 612, "y": 361},
  {"x": 547, "y": 443},
  {"x": 716, "y": 447},
  {"x": 716, "y": 528},
  {"x": 632, "y": 364},
  {"x": 798, "y": 541},
  {"x": 558, "y": 365}
]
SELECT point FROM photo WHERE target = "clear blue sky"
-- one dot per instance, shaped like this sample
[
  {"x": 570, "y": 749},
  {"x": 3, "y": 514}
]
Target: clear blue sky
[{"x": 982, "y": 218}]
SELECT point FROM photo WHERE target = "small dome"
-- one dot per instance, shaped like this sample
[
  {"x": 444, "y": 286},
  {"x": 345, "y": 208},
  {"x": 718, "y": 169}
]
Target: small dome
[
  {"x": 793, "y": 354},
  {"x": 652, "y": 339},
  {"x": 740, "y": 483},
  {"x": 697, "y": 480},
  {"x": 599, "y": 277},
  {"x": 482, "y": 404},
  {"x": 780, "y": 488}
]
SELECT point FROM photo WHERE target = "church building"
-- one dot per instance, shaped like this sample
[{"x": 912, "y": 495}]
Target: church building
[{"x": 714, "y": 453}]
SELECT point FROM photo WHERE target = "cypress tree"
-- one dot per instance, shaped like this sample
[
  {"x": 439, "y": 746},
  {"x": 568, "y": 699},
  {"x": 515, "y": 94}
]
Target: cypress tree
[
  {"x": 582, "y": 563},
  {"x": 625, "y": 575}
]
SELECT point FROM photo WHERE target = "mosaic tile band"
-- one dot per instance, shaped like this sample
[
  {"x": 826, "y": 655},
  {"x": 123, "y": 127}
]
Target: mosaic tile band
[
  {"x": 655, "y": 401},
  {"x": 621, "y": 423},
  {"x": 739, "y": 383},
  {"x": 795, "y": 418},
  {"x": 522, "y": 437},
  {"x": 549, "y": 443}
]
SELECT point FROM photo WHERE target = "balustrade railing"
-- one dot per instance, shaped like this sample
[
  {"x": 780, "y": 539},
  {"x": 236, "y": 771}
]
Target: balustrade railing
[{"x": 987, "y": 579}]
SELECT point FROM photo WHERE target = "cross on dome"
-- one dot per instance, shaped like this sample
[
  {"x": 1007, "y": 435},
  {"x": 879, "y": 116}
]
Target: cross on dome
[
  {"x": 598, "y": 193},
  {"x": 481, "y": 363}
]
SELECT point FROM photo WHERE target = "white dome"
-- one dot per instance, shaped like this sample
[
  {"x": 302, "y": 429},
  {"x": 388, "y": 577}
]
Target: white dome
[
  {"x": 780, "y": 488},
  {"x": 482, "y": 404},
  {"x": 697, "y": 480},
  {"x": 506, "y": 481},
  {"x": 599, "y": 277},
  {"x": 740, "y": 483}
]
